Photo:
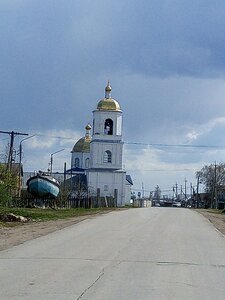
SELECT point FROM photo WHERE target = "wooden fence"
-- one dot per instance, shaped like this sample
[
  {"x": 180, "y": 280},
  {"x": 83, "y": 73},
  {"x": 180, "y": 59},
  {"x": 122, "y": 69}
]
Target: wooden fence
[{"x": 82, "y": 202}]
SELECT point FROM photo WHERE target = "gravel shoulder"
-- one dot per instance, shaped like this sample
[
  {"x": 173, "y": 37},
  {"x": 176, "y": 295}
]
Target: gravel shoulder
[
  {"x": 12, "y": 236},
  {"x": 218, "y": 220}
]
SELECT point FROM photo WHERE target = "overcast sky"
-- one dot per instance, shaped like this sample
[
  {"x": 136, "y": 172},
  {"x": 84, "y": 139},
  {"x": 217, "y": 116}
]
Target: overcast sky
[{"x": 165, "y": 60}]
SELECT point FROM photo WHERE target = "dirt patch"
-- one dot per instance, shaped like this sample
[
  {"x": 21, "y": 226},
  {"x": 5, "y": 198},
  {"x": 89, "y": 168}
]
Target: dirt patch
[
  {"x": 218, "y": 220},
  {"x": 12, "y": 236}
]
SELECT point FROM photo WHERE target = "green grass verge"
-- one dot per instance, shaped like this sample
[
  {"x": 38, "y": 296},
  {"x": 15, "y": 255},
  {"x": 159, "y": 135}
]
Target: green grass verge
[{"x": 39, "y": 214}]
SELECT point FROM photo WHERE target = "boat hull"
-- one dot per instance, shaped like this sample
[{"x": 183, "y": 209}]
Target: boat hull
[{"x": 42, "y": 187}]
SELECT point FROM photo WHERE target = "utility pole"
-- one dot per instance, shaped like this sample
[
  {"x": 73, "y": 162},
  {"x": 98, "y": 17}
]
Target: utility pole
[
  {"x": 142, "y": 187},
  {"x": 20, "y": 162},
  {"x": 181, "y": 193},
  {"x": 12, "y": 137},
  {"x": 197, "y": 199},
  {"x": 215, "y": 188},
  {"x": 51, "y": 160},
  {"x": 176, "y": 190},
  {"x": 185, "y": 190}
]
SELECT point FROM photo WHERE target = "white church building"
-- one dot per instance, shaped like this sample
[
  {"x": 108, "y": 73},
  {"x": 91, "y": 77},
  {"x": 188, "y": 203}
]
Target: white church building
[{"x": 100, "y": 155}]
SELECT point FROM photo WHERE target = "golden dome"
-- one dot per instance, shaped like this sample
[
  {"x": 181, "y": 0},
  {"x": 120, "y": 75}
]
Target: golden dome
[
  {"x": 83, "y": 144},
  {"x": 108, "y": 103}
]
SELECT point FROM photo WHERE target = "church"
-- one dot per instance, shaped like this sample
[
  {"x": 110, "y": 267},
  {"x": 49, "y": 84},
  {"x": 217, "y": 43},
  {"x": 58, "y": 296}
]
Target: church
[{"x": 98, "y": 156}]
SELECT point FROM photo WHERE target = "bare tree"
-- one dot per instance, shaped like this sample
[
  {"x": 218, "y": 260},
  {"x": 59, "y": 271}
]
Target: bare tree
[
  {"x": 157, "y": 193},
  {"x": 213, "y": 178}
]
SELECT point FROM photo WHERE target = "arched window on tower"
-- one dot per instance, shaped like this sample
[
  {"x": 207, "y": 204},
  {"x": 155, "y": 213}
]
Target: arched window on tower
[
  {"x": 108, "y": 127},
  {"x": 77, "y": 162},
  {"x": 107, "y": 157}
]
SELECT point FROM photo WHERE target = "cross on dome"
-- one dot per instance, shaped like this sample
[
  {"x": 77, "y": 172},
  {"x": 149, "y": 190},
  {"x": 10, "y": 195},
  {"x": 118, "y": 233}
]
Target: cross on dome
[{"x": 108, "y": 90}]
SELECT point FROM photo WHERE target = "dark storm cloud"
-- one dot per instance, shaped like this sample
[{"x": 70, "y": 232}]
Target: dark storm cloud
[{"x": 56, "y": 57}]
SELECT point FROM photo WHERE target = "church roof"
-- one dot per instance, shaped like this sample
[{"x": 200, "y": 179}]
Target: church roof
[
  {"x": 129, "y": 179},
  {"x": 108, "y": 103},
  {"x": 83, "y": 144}
]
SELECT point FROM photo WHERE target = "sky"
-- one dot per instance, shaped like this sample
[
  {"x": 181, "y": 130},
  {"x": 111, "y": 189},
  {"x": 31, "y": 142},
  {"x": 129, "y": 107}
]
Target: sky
[{"x": 165, "y": 60}]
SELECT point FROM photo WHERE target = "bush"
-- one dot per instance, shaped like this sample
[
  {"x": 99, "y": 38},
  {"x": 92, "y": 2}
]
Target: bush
[{"x": 4, "y": 195}]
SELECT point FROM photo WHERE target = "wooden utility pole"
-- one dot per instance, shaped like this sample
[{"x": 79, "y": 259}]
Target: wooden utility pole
[
  {"x": 197, "y": 199},
  {"x": 185, "y": 190},
  {"x": 215, "y": 188},
  {"x": 176, "y": 190},
  {"x": 12, "y": 137},
  {"x": 191, "y": 190}
]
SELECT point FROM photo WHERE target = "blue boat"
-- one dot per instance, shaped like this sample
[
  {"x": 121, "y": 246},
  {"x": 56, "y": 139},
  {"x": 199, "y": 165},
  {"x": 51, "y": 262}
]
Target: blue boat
[{"x": 43, "y": 185}]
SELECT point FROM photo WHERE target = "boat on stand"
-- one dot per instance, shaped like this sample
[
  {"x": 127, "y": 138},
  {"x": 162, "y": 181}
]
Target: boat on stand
[{"x": 43, "y": 185}]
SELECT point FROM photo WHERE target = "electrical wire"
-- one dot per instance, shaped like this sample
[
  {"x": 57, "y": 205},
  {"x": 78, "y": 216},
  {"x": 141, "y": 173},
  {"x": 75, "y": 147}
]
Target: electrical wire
[
  {"x": 174, "y": 145},
  {"x": 164, "y": 170},
  {"x": 145, "y": 144},
  {"x": 54, "y": 136}
]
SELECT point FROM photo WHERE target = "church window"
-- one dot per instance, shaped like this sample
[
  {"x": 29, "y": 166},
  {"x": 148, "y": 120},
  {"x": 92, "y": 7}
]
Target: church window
[
  {"x": 77, "y": 162},
  {"x": 108, "y": 127},
  {"x": 107, "y": 157},
  {"x": 87, "y": 163}
]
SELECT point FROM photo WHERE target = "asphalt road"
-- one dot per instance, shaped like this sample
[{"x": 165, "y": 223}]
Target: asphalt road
[{"x": 145, "y": 253}]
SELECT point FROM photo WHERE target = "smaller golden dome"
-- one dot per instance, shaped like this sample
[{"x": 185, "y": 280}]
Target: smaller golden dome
[{"x": 83, "y": 144}]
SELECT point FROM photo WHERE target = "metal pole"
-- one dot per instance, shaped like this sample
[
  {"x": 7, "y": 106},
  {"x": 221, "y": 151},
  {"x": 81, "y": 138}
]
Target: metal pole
[
  {"x": 51, "y": 160},
  {"x": 215, "y": 194},
  {"x": 185, "y": 190},
  {"x": 20, "y": 162}
]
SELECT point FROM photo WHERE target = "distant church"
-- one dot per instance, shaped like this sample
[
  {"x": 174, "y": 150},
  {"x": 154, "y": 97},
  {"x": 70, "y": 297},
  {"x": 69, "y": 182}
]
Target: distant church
[{"x": 99, "y": 156}]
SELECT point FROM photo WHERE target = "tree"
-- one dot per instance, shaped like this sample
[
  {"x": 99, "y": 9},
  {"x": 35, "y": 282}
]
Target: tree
[
  {"x": 8, "y": 183},
  {"x": 213, "y": 177},
  {"x": 157, "y": 193}
]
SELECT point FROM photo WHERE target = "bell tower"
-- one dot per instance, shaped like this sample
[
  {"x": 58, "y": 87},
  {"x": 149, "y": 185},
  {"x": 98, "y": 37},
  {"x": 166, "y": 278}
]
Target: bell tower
[
  {"x": 105, "y": 175},
  {"x": 106, "y": 146}
]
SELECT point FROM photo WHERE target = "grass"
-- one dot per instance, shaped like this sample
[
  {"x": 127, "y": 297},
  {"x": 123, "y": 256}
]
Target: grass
[{"x": 39, "y": 214}]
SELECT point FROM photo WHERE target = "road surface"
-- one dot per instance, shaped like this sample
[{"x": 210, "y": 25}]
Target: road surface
[{"x": 145, "y": 253}]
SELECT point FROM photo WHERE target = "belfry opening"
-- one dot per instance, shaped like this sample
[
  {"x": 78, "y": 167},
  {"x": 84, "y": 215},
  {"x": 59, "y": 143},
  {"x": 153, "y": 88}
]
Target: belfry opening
[{"x": 108, "y": 128}]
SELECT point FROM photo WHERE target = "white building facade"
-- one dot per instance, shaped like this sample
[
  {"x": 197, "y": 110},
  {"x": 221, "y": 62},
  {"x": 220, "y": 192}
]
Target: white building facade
[{"x": 100, "y": 155}]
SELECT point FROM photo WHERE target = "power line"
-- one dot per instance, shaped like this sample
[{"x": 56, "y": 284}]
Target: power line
[
  {"x": 54, "y": 136},
  {"x": 163, "y": 191},
  {"x": 174, "y": 145},
  {"x": 164, "y": 170},
  {"x": 141, "y": 143}
]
